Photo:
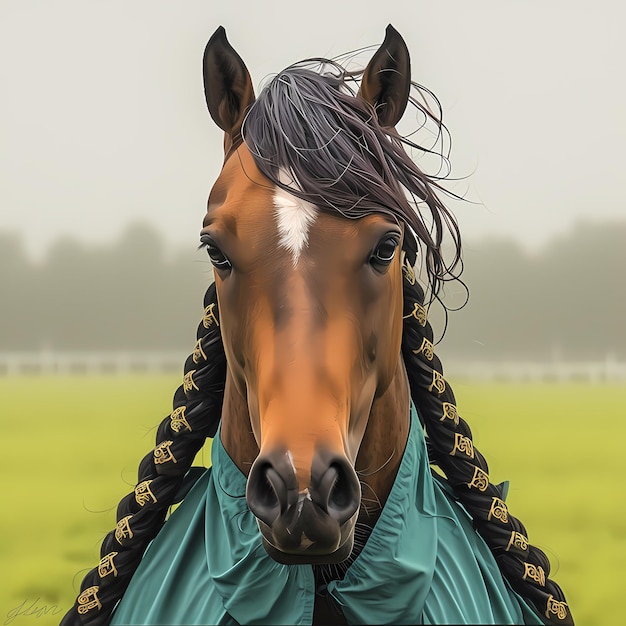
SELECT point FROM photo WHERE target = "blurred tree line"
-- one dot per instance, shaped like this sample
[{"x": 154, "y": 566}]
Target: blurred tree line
[
  {"x": 131, "y": 295},
  {"x": 566, "y": 301}
]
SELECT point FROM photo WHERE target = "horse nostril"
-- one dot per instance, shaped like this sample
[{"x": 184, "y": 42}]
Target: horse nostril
[
  {"x": 273, "y": 488},
  {"x": 266, "y": 492},
  {"x": 337, "y": 491}
]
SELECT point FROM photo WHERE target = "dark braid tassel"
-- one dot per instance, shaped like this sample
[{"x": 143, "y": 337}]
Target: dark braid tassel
[
  {"x": 197, "y": 408},
  {"x": 451, "y": 447}
]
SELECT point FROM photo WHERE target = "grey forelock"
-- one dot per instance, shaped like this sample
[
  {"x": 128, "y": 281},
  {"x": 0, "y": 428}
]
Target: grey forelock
[{"x": 311, "y": 124}]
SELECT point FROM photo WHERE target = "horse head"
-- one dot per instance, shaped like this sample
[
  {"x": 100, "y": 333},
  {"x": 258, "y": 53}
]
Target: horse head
[
  {"x": 309, "y": 294},
  {"x": 322, "y": 338}
]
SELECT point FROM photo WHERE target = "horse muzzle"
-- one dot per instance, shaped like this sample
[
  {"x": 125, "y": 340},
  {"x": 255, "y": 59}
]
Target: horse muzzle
[{"x": 315, "y": 525}]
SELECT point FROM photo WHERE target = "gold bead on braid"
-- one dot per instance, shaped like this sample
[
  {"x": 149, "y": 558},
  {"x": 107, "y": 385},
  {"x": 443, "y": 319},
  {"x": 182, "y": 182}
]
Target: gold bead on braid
[
  {"x": 480, "y": 480},
  {"x": 418, "y": 312},
  {"x": 438, "y": 383},
  {"x": 198, "y": 352},
  {"x": 498, "y": 510},
  {"x": 163, "y": 453},
  {"x": 188, "y": 382},
  {"x": 408, "y": 272},
  {"x": 534, "y": 572},
  {"x": 208, "y": 319},
  {"x": 517, "y": 540},
  {"x": 106, "y": 565},
  {"x": 143, "y": 495},
  {"x": 449, "y": 412},
  {"x": 554, "y": 607},
  {"x": 178, "y": 420},
  {"x": 122, "y": 530},
  {"x": 463, "y": 444},
  {"x": 89, "y": 600},
  {"x": 427, "y": 349}
]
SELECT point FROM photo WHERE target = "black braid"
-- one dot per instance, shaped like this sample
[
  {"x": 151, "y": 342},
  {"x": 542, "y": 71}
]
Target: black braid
[
  {"x": 450, "y": 447},
  {"x": 197, "y": 407}
]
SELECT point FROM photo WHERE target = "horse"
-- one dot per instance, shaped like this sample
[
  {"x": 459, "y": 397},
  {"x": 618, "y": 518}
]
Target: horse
[{"x": 315, "y": 375}]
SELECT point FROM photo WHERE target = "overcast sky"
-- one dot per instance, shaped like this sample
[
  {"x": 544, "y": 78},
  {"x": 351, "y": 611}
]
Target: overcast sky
[{"x": 103, "y": 119}]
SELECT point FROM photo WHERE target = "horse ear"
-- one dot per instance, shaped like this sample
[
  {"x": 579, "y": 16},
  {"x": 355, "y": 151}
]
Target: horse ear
[
  {"x": 387, "y": 79},
  {"x": 227, "y": 85}
]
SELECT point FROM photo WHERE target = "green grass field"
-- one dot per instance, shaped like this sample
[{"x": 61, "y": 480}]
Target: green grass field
[{"x": 71, "y": 446}]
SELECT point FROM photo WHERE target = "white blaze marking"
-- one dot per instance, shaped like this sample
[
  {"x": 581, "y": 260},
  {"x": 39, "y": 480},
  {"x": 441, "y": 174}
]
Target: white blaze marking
[{"x": 295, "y": 217}]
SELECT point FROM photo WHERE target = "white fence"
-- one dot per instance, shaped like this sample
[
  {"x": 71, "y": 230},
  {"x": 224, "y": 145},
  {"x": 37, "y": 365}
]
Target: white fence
[
  {"x": 608, "y": 370},
  {"x": 47, "y": 363},
  {"x": 51, "y": 363}
]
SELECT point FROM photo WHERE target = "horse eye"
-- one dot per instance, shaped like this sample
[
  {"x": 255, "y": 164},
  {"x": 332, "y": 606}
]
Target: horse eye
[
  {"x": 384, "y": 253},
  {"x": 216, "y": 256}
]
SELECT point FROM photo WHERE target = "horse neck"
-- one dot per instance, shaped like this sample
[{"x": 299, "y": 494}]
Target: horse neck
[{"x": 381, "y": 449}]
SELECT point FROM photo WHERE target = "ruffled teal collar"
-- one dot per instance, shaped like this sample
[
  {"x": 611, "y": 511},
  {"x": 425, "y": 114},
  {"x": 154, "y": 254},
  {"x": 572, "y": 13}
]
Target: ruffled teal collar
[{"x": 423, "y": 562}]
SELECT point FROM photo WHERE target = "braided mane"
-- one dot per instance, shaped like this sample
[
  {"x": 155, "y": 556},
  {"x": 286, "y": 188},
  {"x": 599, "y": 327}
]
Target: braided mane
[{"x": 311, "y": 124}]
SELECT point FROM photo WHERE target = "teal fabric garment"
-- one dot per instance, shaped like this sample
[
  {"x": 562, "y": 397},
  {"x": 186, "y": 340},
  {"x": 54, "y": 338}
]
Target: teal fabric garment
[{"x": 423, "y": 562}]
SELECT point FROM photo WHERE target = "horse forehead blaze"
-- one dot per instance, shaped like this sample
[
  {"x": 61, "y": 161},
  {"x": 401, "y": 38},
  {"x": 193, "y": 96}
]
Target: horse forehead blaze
[
  {"x": 247, "y": 208},
  {"x": 295, "y": 217},
  {"x": 243, "y": 194}
]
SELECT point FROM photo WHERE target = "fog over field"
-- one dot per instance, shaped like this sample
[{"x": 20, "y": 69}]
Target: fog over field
[
  {"x": 566, "y": 301},
  {"x": 103, "y": 124}
]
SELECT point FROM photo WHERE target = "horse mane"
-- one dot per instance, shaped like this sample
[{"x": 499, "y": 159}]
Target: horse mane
[
  {"x": 310, "y": 134},
  {"x": 313, "y": 126}
]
